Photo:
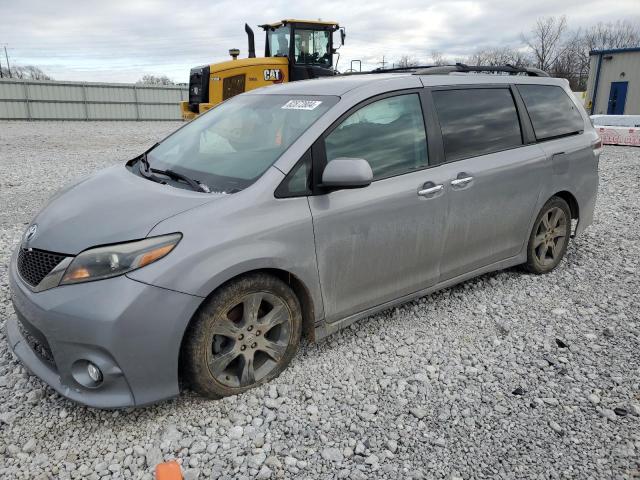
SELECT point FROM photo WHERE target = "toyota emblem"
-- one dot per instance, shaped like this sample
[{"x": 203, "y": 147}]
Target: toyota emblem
[{"x": 30, "y": 233}]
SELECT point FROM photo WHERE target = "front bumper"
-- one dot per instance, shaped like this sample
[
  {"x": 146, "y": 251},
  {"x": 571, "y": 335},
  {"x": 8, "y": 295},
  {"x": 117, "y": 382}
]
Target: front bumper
[
  {"x": 132, "y": 331},
  {"x": 189, "y": 115}
]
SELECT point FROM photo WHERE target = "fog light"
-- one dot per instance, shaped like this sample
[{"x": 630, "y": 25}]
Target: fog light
[{"x": 94, "y": 372}]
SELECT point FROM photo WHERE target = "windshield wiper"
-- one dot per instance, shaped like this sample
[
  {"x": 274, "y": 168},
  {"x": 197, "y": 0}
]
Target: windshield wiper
[
  {"x": 148, "y": 172},
  {"x": 145, "y": 169},
  {"x": 200, "y": 187},
  {"x": 144, "y": 160}
]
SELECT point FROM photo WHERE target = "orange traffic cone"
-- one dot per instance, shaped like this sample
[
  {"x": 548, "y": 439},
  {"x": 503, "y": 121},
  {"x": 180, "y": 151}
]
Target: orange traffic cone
[{"x": 168, "y": 471}]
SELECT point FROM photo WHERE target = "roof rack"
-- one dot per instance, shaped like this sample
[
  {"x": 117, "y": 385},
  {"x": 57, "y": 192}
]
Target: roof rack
[
  {"x": 388, "y": 70},
  {"x": 398, "y": 69},
  {"x": 462, "y": 68}
]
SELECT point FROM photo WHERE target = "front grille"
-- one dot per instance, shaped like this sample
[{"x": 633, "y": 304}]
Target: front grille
[
  {"x": 195, "y": 84},
  {"x": 232, "y": 86},
  {"x": 36, "y": 341},
  {"x": 198, "y": 87},
  {"x": 34, "y": 265}
]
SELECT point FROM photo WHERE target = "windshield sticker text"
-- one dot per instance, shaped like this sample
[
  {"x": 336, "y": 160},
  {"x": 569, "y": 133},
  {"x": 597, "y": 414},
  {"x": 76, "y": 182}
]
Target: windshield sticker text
[{"x": 301, "y": 104}]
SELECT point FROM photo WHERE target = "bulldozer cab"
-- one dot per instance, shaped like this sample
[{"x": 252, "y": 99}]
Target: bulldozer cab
[
  {"x": 294, "y": 50},
  {"x": 307, "y": 44}
]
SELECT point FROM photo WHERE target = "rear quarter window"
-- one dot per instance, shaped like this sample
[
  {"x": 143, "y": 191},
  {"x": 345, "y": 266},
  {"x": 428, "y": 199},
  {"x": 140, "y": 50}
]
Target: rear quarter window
[{"x": 551, "y": 111}]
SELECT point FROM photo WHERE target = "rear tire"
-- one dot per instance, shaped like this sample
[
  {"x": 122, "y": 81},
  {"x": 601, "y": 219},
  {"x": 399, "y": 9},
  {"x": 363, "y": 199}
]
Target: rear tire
[
  {"x": 244, "y": 335},
  {"x": 550, "y": 237}
]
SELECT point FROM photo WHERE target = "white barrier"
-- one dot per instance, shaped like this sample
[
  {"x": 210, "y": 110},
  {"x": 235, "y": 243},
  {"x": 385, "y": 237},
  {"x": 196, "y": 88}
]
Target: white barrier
[
  {"x": 51, "y": 100},
  {"x": 616, "y": 120},
  {"x": 618, "y": 129},
  {"x": 612, "y": 135}
]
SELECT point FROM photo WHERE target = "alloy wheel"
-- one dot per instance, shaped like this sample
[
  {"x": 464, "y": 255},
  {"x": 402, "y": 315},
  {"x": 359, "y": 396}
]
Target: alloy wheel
[
  {"x": 551, "y": 236},
  {"x": 249, "y": 340}
]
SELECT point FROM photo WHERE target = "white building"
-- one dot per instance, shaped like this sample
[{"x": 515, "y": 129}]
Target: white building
[{"x": 613, "y": 87}]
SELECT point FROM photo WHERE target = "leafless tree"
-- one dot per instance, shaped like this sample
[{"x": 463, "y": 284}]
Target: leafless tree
[
  {"x": 35, "y": 73},
  {"x": 406, "y": 61},
  {"x": 571, "y": 63},
  {"x": 553, "y": 47},
  {"x": 620, "y": 34},
  {"x": 547, "y": 41},
  {"x": 438, "y": 59},
  {"x": 499, "y": 56},
  {"x": 155, "y": 80},
  {"x": 27, "y": 72}
]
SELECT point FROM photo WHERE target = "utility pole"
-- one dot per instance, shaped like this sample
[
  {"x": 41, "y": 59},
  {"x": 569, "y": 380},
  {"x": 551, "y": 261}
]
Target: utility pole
[
  {"x": 7, "y": 57},
  {"x": 1, "y": 75},
  {"x": 383, "y": 63}
]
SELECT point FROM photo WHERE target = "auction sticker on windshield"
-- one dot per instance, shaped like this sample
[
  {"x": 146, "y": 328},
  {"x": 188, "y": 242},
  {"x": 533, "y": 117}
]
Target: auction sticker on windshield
[{"x": 301, "y": 104}]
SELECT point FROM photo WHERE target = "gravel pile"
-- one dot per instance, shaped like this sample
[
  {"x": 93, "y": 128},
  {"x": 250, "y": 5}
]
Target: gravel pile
[{"x": 506, "y": 376}]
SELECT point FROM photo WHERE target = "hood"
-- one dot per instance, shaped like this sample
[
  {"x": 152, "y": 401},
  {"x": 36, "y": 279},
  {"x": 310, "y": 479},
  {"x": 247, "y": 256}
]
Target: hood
[{"x": 111, "y": 206}]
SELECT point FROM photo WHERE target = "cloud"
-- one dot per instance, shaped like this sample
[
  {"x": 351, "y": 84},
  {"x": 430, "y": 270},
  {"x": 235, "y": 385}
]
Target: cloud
[{"x": 123, "y": 40}]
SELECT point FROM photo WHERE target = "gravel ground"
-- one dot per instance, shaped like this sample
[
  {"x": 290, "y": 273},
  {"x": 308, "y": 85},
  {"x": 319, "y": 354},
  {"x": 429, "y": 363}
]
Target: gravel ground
[{"x": 506, "y": 376}]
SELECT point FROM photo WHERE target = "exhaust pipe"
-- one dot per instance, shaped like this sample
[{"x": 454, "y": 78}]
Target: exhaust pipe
[{"x": 252, "y": 43}]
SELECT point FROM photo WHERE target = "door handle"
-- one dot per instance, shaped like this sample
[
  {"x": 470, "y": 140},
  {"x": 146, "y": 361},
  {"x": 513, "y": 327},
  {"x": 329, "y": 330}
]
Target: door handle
[
  {"x": 461, "y": 182},
  {"x": 425, "y": 192}
]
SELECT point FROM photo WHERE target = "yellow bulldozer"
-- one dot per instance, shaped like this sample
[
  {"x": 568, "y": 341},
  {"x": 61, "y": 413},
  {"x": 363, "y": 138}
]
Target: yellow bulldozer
[{"x": 294, "y": 50}]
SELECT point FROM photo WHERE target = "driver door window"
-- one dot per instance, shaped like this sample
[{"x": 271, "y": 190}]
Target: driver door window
[{"x": 389, "y": 134}]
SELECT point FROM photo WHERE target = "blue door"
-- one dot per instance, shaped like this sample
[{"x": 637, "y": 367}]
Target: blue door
[{"x": 617, "y": 97}]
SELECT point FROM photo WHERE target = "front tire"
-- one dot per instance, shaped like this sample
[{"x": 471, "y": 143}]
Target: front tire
[
  {"x": 244, "y": 335},
  {"x": 550, "y": 237}
]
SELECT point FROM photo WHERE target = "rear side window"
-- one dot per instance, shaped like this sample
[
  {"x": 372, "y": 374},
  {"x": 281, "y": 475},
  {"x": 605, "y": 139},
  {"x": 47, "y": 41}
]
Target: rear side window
[
  {"x": 477, "y": 121},
  {"x": 388, "y": 133},
  {"x": 551, "y": 111}
]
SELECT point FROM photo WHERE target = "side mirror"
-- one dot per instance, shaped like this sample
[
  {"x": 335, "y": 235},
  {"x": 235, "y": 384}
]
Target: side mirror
[
  {"x": 347, "y": 173},
  {"x": 343, "y": 34}
]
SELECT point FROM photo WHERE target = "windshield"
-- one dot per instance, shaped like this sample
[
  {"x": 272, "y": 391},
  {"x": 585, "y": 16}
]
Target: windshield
[
  {"x": 232, "y": 145},
  {"x": 312, "y": 47}
]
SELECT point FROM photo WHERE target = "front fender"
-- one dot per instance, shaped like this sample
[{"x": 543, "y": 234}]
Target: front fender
[{"x": 226, "y": 239}]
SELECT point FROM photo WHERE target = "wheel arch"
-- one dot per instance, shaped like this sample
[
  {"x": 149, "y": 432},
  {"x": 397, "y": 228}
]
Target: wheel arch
[
  {"x": 304, "y": 297},
  {"x": 300, "y": 290},
  {"x": 571, "y": 201}
]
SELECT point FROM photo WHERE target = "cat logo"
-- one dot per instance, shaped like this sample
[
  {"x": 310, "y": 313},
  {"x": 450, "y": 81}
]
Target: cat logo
[{"x": 273, "y": 75}]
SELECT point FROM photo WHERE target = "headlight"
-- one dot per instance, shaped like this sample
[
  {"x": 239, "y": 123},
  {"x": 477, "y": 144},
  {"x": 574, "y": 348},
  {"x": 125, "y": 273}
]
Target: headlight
[{"x": 114, "y": 260}]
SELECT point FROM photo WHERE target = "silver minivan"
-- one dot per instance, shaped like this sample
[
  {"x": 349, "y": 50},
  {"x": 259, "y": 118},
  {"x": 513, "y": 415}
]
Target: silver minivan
[{"x": 295, "y": 210}]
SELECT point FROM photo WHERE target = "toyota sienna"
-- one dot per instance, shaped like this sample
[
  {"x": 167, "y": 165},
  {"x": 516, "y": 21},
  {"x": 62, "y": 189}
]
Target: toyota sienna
[{"x": 295, "y": 209}]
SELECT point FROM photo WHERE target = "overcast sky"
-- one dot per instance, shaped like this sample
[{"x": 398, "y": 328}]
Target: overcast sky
[{"x": 120, "y": 41}]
